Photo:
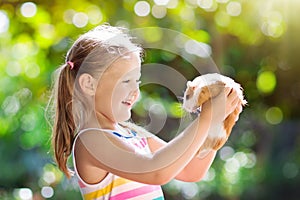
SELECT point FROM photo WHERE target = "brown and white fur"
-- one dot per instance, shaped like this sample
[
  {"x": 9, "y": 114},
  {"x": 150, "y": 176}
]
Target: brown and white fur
[{"x": 204, "y": 88}]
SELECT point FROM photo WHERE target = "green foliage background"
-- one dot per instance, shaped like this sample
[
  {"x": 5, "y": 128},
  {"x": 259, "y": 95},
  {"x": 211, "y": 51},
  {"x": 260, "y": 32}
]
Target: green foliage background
[{"x": 257, "y": 46}]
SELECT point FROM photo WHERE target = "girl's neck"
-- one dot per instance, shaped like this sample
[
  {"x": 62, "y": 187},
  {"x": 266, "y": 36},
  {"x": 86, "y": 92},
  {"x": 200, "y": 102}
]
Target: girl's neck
[{"x": 98, "y": 120}]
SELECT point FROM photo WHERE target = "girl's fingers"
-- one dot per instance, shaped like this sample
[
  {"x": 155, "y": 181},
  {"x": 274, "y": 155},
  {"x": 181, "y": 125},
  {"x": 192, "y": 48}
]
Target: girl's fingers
[
  {"x": 232, "y": 101},
  {"x": 228, "y": 90},
  {"x": 240, "y": 108},
  {"x": 235, "y": 101},
  {"x": 223, "y": 104},
  {"x": 232, "y": 95}
]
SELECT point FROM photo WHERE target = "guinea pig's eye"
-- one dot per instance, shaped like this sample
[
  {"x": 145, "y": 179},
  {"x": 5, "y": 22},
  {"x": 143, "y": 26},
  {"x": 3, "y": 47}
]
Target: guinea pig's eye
[{"x": 188, "y": 96}]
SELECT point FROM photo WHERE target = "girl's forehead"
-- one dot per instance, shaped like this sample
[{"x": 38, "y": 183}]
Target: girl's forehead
[{"x": 125, "y": 65}]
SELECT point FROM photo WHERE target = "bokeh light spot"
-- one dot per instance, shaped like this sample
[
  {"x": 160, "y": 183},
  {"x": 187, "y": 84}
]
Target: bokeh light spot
[
  {"x": 234, "y": 8},
  {"x": 95, "y": 15},
  {"x": 23, "y": 193},
  {"x": 47, "y": 192},
  {"x": 123, "y": 23},
  {"x": 32, "y": 70},
  {"x": 4, "y": 22},
  {"x": 20, "y": 50},
  {"x": 248, "y": 138},
  {"x": 273, "y": 24},
  {"x": 222, "y": 19},
  {"x": 176, "y": 110},
  {"x": 210, "y": 175},
  {"x": 205, "y": 4},
  {"x": 153, "y": 35},
  {"x": 172, "y": 4},
  {"x": 272, "y": 29},
  {"x": 222, "y": 1},
  {"x": 47, "y": 31},
  {"x": 24, "y": 96},
  {"x": 208, "y": 5},
  {"x": 232, "y": 165},
  {"x": 13, "y": 68},
  {"x": 274, "y": 115},
  {"x": 49, "y": 177},
  {"x": 80, "y": 19},
  {"x": 189, "y": 190},
  {"x": 290, "y": 170},
  {"x": 28, "y": 122},
  {"x": 266, "y": 82},
  {"x": 28, "y": 9},
  {"x": 68, "y": 16},
  {"x": 187, "y": 14},
  {"x": 230, "y": 179},
  {"x": 159, "y": 11},
  {"x": 197, "y": 48},
  {"x": 251, "y": 160},
  {"x": 11, "y": 105},
  {"x": 142, "y": 8},
  {"x": 241, "y": 158},
  {"x": 226, "y": 152},
  {"x": 161, "y": 2}
]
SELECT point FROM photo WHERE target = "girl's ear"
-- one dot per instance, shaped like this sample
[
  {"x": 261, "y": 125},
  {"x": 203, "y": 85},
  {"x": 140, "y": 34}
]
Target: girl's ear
[{"x": 87, "y": 84}]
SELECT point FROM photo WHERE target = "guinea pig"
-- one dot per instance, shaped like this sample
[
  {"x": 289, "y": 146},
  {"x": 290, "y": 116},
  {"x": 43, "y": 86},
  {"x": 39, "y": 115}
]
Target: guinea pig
[{"x": 204, "y": 88}]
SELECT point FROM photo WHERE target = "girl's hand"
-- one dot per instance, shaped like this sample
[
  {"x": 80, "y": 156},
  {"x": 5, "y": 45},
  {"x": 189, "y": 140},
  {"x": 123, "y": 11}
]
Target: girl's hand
[{"x": 219, "y": 107}]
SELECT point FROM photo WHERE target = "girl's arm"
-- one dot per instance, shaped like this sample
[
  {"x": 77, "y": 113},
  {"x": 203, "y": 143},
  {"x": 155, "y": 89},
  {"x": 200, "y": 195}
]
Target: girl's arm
[
  {"x": 195, "y": 170},
  {"x": 114, "y": 156}
]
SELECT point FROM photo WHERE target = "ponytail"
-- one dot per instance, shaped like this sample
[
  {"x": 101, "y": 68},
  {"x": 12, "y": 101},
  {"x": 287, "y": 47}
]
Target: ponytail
[{"x": 64, "y": 125}]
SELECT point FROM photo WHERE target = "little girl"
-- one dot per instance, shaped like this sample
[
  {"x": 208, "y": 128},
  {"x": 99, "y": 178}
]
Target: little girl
[{"x": 114, "y": 159}]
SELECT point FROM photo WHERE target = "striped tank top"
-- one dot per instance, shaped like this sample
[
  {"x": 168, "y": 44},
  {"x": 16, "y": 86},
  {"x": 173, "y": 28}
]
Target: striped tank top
[{"x": 113, "y": 187}]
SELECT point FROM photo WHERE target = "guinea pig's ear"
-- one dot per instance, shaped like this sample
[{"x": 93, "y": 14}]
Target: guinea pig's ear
[{"x": 190, "y": 85}]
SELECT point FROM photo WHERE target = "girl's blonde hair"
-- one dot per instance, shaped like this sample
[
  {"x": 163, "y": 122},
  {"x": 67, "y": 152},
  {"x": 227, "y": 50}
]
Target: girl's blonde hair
[{"x": 68, "y": 108}]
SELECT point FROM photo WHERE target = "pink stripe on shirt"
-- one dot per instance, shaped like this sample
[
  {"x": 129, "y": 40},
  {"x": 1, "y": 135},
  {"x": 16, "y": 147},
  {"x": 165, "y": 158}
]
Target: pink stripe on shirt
[
  {"x": 135, "y": 192},
  {"x": 81, "y": 185}
]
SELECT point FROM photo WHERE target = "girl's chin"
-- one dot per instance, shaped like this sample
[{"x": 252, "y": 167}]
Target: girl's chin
[
  {"x": 124, "y": 116},
  {"x": 123, "y": 119}
]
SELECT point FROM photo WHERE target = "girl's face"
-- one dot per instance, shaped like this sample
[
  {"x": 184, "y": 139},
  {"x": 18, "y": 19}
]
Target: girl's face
[{"x": 118, "y": 88}]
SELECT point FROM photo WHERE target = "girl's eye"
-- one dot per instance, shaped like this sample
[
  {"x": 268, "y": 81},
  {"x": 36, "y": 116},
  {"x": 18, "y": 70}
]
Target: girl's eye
[{"x": 137, "y": 81}]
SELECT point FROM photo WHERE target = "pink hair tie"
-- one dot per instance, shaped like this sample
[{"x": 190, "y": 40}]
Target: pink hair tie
[{"x": 71, "y": 64}]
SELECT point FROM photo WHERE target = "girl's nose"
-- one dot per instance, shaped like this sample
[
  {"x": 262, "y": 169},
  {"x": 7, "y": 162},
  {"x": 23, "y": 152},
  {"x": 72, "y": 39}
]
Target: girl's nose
[{"x": 135, "y": 94}]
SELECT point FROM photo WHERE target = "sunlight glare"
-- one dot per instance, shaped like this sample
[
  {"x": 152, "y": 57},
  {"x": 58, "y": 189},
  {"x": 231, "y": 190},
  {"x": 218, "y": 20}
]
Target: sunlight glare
[{"x": 4, "y": 22}]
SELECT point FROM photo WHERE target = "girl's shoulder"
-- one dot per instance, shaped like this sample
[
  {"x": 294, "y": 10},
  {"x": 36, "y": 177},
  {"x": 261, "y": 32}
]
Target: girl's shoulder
[{"x": 90, "y": 130}]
